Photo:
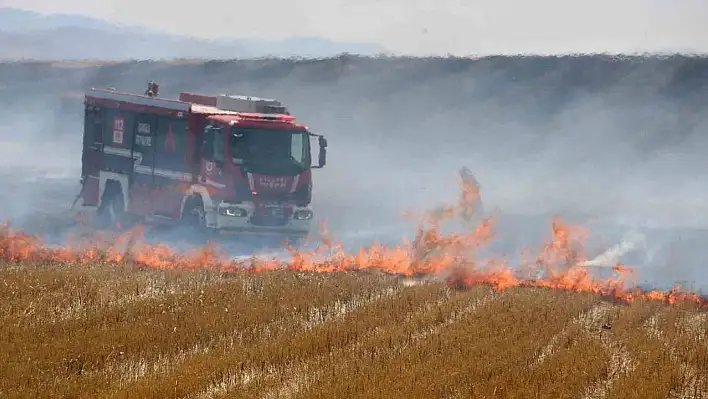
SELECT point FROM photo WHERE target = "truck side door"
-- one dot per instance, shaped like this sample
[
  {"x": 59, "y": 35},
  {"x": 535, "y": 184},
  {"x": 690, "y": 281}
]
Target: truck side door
[
  {"x": 93, "y": 142},
  {"x": 92, "y": 154},
  {"x": 172, "y": 173},
  {"x": 143, "y": 151}
]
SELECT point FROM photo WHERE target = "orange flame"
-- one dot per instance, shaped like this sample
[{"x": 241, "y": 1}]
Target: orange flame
[{"x": 453, "y": 257}]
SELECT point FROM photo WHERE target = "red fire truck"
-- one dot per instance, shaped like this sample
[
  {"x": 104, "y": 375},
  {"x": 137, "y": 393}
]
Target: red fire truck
[{"x": 215, "y": 163}]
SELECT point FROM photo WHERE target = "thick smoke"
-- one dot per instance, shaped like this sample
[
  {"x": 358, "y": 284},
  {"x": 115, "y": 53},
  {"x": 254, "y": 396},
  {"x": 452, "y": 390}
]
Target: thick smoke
[
  {"x": 39, "y": 167},
  {"x": 614, "y": 144}
]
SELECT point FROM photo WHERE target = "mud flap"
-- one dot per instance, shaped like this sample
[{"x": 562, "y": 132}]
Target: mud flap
[{"x": 81, "y": 193}]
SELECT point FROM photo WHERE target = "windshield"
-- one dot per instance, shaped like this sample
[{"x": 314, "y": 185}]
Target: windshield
[{"x": 273, "y": 152}]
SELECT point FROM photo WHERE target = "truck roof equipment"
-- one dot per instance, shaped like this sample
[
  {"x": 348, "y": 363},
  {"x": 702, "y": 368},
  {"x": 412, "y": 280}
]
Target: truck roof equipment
[{"x": 237, "y": 103}]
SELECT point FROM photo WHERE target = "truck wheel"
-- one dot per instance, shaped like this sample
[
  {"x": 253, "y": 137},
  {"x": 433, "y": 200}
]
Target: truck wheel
[
  {"x": 111, "y": 212},
  {"x": 194, "y": 219}
]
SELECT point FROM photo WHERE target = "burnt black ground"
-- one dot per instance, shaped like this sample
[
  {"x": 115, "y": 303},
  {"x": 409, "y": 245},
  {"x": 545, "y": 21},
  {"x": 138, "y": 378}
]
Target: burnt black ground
[{"x": 617, "y": 143}]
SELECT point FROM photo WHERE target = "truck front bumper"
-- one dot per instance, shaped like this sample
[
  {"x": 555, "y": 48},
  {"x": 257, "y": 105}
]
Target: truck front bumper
[{"x": 240, "y": 219}]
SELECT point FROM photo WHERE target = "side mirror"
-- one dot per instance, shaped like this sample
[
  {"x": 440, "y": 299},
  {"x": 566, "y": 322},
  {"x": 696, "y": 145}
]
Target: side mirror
[{"x": 323, "y": 151}]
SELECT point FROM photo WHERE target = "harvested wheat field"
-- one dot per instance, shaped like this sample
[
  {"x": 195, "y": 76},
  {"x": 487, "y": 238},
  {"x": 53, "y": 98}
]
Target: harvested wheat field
[
  {"x": 120, "y": 318},
  {"x": 121, "y": 331}
]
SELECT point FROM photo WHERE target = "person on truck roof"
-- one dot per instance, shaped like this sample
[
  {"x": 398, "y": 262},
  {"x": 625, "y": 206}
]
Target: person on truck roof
[{"x": 152, "y": 89}]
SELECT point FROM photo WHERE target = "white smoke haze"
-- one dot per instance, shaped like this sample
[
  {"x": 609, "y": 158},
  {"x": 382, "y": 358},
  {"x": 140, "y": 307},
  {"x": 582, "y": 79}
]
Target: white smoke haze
[
  {"x": 617, "y": 146},
  {"x": 36, "y": 166}
]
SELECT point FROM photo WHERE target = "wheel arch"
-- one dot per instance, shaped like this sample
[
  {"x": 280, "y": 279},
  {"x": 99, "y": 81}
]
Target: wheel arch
[{"x": 196, "y": 192}]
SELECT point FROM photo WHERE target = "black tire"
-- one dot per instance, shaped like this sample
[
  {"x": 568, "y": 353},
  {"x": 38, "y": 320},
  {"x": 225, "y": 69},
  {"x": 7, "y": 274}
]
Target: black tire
[
  {"x": 111, "y": 212},
  {"x": 194, "y": 220}
]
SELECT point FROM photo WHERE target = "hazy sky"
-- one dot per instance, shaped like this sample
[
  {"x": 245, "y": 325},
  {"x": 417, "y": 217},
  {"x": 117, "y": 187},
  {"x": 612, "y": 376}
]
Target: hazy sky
[{"x": 424, "y": 26}]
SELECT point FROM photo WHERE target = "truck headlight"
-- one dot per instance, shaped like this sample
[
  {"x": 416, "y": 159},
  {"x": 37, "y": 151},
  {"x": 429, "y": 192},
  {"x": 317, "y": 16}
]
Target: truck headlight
[
  {"x": 303, "y": 214},
  {"x": 233, "y": 211}
]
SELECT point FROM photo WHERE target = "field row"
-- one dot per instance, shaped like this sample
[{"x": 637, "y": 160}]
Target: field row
[{"x": 112, "y": 331}]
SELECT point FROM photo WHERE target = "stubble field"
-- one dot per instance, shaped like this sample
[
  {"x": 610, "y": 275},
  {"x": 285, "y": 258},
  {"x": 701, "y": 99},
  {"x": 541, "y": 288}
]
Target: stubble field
[{"x": 118, "y": 330}]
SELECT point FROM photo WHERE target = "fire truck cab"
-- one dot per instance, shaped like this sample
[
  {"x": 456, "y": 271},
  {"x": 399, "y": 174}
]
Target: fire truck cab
[{"x": 216, "y": 163}]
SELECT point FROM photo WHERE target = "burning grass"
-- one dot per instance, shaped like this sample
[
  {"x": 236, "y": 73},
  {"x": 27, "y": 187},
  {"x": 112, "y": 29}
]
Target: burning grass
[
  {"x": 121, "y": 318},
  {"x": 559, "y": 264}
]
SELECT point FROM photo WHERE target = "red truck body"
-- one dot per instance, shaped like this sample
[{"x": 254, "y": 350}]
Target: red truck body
[{"x": 246, "y": 169}]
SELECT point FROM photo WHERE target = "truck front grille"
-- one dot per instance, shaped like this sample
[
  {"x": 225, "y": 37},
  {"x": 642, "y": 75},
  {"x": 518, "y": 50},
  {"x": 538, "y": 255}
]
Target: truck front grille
[{"x": 270, "y": 221}]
